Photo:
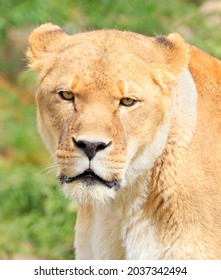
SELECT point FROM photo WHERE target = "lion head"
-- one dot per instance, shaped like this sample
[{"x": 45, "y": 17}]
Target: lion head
[{"x": 105, "y": 102}]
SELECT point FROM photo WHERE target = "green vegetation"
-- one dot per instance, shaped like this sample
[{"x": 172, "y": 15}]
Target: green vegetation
[{"x": 36, "y": 221}]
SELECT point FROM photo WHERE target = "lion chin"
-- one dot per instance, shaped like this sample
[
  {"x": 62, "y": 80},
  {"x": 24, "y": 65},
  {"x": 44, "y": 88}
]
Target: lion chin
[
  {"x": 89, "y": 192},
  {"x": 89, "y": 188}
]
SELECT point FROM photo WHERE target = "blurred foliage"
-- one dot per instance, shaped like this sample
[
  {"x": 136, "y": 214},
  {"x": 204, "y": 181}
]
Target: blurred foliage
[
  {"x": 17, "y": 13},
  {"x": 35, "y": 219}
]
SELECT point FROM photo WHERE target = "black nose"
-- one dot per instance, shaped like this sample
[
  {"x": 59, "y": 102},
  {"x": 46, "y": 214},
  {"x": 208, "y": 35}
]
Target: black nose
[{"x": 90, "y": 148}]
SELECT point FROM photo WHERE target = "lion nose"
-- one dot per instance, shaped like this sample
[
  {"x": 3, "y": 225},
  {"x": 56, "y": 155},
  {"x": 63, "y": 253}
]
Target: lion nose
[{"x": 90, "y": 148}]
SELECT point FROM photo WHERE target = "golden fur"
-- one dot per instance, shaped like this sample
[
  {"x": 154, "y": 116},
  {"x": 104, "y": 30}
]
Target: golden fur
[{"x": 163, "y": 155}]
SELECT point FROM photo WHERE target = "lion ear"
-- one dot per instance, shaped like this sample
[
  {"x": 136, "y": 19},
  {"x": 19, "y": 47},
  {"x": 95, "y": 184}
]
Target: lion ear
[
  {"x": 172, "y": 57},
  {"x": 175, "y": 52},
  {"x": 43, "y": 40}
]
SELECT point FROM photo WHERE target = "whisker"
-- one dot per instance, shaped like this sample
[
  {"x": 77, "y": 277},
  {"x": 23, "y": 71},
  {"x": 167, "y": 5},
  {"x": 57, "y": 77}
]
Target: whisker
[{"x": 47, "y": 170}]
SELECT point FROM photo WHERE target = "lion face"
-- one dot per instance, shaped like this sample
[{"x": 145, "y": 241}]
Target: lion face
[{"x": 104, "y": 105}]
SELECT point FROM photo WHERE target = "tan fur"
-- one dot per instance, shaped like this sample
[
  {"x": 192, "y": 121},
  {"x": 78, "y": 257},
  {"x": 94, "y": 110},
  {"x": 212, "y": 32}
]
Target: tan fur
[{"x": 165, "y": 150}]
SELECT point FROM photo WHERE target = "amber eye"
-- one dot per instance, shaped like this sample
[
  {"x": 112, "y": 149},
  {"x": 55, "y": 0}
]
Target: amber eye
[
  {"x": 66, "y": 95},
  {"x": 126, "y": 101}
]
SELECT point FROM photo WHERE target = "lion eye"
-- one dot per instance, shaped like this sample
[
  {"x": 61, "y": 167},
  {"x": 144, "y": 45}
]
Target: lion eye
[
  {"x": 66, "y": 95},
  {"x": 126, "y": 101}
]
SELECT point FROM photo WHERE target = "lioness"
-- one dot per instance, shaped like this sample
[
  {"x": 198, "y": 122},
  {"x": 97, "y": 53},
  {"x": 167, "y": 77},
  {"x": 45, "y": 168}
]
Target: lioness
[{"x": 134, "y": 123}]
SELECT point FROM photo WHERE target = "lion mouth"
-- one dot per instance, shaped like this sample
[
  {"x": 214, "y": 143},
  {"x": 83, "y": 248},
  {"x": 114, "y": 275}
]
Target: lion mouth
[{"x": 89, "y": 176}]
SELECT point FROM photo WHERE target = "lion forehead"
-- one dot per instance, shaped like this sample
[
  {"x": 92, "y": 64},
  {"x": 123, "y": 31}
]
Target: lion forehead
[{"x": 103, "y": 60}]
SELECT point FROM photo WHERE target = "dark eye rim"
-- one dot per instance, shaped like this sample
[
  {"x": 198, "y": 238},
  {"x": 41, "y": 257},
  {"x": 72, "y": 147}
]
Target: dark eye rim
[
  {"x": 61, "y": 92},
  {"x": 130, "y": 105}
]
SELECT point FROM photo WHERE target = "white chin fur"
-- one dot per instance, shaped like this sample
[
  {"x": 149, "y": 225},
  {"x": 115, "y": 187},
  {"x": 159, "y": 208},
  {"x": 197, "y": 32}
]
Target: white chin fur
[{"x": 96, "y": 194}]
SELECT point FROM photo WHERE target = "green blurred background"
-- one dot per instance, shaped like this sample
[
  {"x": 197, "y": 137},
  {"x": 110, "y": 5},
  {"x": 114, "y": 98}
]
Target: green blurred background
[{"x": 36, "y": 222}]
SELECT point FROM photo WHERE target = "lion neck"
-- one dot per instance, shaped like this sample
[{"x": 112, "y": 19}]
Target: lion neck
[{"x": 161, "y": 184}]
